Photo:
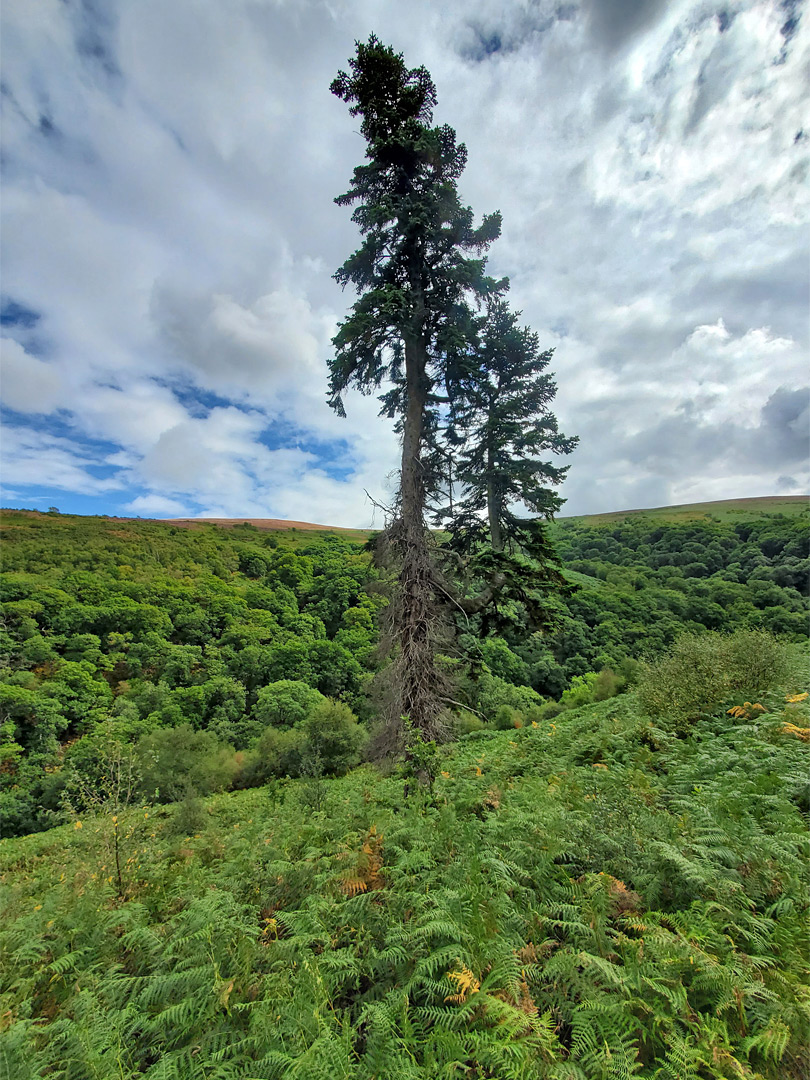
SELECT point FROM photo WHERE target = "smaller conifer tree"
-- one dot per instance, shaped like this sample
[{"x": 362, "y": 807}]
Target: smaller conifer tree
[{"x": 499, "y": 425}]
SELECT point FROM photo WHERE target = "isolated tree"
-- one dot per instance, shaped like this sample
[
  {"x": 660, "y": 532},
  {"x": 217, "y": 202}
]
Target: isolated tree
[{"x": 417, "y": 270}]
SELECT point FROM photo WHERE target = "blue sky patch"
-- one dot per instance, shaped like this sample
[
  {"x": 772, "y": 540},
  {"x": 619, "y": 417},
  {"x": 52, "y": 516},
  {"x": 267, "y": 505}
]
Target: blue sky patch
[{"x": 15, "y": 314}]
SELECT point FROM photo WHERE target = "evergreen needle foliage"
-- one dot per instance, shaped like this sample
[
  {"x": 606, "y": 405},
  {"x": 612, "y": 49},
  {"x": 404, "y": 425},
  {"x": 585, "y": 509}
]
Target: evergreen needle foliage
[{"x": 417, "y": 270}]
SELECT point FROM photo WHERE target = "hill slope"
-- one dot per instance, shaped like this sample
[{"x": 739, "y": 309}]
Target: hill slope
[
  {"x": 719, "y": 510},
  {"x": 147, "y": 625},
  {"x": 597, "y": 892},
  {"x": 586, "y": 898}
]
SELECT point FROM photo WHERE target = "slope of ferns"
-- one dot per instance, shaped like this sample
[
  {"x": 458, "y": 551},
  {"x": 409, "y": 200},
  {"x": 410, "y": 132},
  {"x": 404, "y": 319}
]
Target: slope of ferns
[{"x": 583, "y": 900}]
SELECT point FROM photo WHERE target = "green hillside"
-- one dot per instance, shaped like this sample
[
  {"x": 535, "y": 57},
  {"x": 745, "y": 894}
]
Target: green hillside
[
  {"x": 603, "y": 874},
  {"x": 720, "y": 510},
  {"x": 146, "y": 626},
  {"x": 588, "y": 897}
]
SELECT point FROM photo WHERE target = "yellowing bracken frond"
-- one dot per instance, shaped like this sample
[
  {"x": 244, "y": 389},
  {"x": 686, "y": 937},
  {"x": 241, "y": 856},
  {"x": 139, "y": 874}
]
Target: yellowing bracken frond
[
  {"x": 365, "y": 874},
  {"x": 466, "y": 984},
  {"x": 802, "y": 733},
  {"x": 747, "y": 711}
]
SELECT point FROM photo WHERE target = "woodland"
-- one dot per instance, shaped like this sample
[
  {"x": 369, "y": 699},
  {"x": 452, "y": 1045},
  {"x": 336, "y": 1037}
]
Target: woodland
[{"x": 481, "y": 795}]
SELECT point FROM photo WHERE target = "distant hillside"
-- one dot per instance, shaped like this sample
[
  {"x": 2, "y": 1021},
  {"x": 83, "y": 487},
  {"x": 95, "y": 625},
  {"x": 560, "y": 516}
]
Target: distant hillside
[
  {"x": 268, "y": 525},
  {"x": 265, "y": 524},
  {"x": 720, "y": 510},
  {"x": 729, "y": 510}
]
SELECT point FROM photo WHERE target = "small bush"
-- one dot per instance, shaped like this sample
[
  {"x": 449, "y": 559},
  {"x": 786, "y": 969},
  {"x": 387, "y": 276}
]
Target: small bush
[
  {"x": 276, "y": 753},
  {"x": 548, "y": 711},
  {"x": 330, "y": 735},
  {"x": 507, "y": 718},
  {"x": 464, "y": 722},
  {"x": 607, "y": 685},
  {"x": 332, "y": 732},
  {"x": 188, "y": 817},
  {"x": 178, "y": 762},
  {"x": 494, "y": 692},
  {"x": 754, "y": 661},
  {"x": 581, "y": 691},
  {"x": 702, "y": 670}
]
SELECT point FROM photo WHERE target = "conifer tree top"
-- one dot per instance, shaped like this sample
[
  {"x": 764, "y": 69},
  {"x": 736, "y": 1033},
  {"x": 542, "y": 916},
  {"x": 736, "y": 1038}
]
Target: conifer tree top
[{"x": 421, "y": 258}]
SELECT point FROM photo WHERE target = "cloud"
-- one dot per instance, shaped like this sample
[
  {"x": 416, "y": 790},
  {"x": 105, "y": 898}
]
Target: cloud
[
  {"x": 221, "y": 464},
  {"x": 169, "y": 224},
  {"x": 704, "y": 416},
  {"x": 785, "y": 427},
  {"x": 258, "y": 350},
  {"x": 614, "y": 23},
  {"x": 33, "y": 459},
  {"x": 29, "y": 385},
  {"x": 156, "y": 506}
]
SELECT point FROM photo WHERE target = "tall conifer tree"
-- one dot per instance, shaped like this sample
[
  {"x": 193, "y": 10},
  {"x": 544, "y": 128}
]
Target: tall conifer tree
[
  {"x": 417, "y": 269},
  {"x": 499, "y": 423}
]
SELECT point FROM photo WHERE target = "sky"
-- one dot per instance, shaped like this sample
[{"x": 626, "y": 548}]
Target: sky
[{"x": 169, "y": 235}]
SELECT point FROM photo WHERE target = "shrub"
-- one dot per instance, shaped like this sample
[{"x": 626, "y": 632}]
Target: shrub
[
  {"x": 188, "y": 817},
  {"x": 493, "y": 692},
  {"x": 607, "y": 685},
  {"x": 176, "y": 762},
  {"x": 701, "y": 670},
  {"x": 99, "y": 768},
  {"x": 754, "y": 660},
  {"x": 463, "y": 722},
  {"x": 329, "y": 740},
  {"x": 507, "y": 718},
  {"x": 580, "y": 692},
  {"x": 332, "y": 733},
  {"x": 548, "y": 710},
  {"x": 277, "y": 752}
]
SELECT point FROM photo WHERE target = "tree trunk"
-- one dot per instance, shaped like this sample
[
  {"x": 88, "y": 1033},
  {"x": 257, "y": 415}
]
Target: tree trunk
[
  {"x": 418, "y": 682},
  {"x": 493, "y": 506}
]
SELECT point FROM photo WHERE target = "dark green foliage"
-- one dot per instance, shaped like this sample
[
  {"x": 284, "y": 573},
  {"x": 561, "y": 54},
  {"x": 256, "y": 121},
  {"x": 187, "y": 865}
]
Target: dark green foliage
[
  {"x": 146, "y": 627},
  {"x": 500, "y": 424},
  {"x": 417, "y": 261},
  {"x": 635, "y": 597}
]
